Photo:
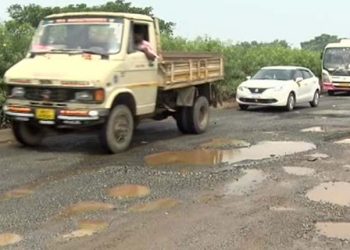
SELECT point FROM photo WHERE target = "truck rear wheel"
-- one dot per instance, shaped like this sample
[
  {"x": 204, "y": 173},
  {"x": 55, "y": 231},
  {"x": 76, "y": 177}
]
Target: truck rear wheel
[
  {"x": 117, "y": 132},
  {"x": 27, "y": 133},
  {"x": 199, "y": 115},
  {"x": 181, "y": 118}
]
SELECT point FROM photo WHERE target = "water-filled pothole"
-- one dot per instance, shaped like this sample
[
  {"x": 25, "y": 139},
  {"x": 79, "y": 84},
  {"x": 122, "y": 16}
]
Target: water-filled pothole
[
  {"x": 129, "y": 191},
  {"x": 86, "y": 207},
  {"x": 334, "y": 230},
  {"x": 247, "y": 183},
  {"x": 205, "y": 157},
  {"x": 314, "y": 130},
  {"x": 224, "y": 144},
  {"x": 299, "y": 171},
  {"x": 332, "y": 192},
  {"x": 162, "y": 204},
  {"x": 87, "y": 228},
  {"x": 7, "y": 239}
]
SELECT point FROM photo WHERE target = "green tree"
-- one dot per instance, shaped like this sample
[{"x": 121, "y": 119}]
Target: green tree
[
  {"x": 32, "y": 14},
  {"x": 319, "y": 42}
]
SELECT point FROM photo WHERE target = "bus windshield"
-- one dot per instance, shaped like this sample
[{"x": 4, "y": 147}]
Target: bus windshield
[{"x": 337, "y": 61}]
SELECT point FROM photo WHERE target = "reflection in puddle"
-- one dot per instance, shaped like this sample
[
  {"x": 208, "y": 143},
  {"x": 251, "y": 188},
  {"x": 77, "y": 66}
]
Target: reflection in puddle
[
  {"x": 263, "y": 150},
  {"x": 313, "y": 130},
  {"x": 282, "y": 209},
  {"x": 344, "y": 141},
  {"x": 247, "y": 183},
  {"x": 86, "y": 207},
  {"x": 161, "y": 204},
  {"x": 9, "y": 239},
  {"x": 299, "y": 171},
  {"x": 225, "y": 143},
  {"x": 87, "y": 228},
  {"x": 129, "y": 191},
  {"x": 336, "y": 193},
  {"x": 334, "y": 230}
]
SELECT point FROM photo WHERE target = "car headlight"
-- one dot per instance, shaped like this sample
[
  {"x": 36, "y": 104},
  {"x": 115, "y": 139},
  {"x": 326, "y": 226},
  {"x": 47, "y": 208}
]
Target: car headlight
[
  {"x": 18, "y": 92},
  {"x": 240, "y": 88},
  {"x": 85, "y": 96}
]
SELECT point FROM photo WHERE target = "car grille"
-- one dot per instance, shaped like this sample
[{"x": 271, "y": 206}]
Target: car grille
[
  {"x": 257, "y": 90},
  {"x": 49, "y": 94},
  {"x": 263, "y": 101}
]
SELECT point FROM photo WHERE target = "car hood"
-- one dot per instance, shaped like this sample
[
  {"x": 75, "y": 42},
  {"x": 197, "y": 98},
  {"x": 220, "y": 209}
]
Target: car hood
[
  {"x": 63, "y": 68},
  {"x": 263, "y": 83}
]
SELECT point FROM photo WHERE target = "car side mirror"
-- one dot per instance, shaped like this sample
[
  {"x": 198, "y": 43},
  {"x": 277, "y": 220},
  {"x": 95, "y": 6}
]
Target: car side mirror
[
  {"x": 248, "y": 77},
  {"x": 299, "y": 80}
]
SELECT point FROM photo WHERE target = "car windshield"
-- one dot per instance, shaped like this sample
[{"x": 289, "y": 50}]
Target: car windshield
[
  {"x": 274, "y": 74},
  {"x": 95, "y": 35},
  {"x": 337, "y": 60}
]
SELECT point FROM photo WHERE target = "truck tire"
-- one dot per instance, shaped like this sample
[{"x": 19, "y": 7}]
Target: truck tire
[
  {"x": 181, "y": 118},
  {"x": 28, "y": 134},
  {"x": 116, "y": 134},
  {"x": 198, "y": 116}
]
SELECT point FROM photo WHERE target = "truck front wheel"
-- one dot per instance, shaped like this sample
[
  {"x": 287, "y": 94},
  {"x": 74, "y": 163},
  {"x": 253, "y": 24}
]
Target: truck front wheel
[
  {"x": 27, "y": 133},
  {"x": 117, "y": 132}
]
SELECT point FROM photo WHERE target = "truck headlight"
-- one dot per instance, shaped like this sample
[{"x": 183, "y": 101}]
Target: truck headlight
[
  {"x": 84, "y": 96},
  {"x": 18, "y": 92}
]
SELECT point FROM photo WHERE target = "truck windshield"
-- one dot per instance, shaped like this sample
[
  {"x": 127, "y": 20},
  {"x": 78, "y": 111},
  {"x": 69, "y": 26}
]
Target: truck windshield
[
  {"x": 94, "y": 35},
  {"x": 274, "y": 74},
  {"x": 337, "y": 61}
]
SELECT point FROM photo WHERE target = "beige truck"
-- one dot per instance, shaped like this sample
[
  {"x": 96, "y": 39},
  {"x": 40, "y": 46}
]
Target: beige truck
[{"x": 85, "y": 70}]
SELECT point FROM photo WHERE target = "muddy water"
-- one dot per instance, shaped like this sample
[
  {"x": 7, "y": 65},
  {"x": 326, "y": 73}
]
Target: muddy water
[
  {"x": 86, "y": 207},
  {"x": 162, "y": 204},
  {"x": 129, "y": 191},
  {"x": 9, "y": 239},
  {"x": 225, "y": 143},
  {"x": 247, "y": 183},
  {"x": 313, "y": 130},
  {"x": 336, "y": 193},
  {"x": 17, "y": 193},
  {"x": 334, "y": 230},
  {"x": 299, "y": 171},
  {"x": 87, "y": 228},
  {"x": 263, "y": 150}
]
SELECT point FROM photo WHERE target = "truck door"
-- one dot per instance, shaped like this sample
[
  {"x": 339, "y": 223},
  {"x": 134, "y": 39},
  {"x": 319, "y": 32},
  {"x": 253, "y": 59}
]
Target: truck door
[{"x": 141, "y": 74}]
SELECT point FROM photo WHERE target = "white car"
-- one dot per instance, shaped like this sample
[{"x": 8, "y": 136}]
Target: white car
[{"x": 283, "y": 86}]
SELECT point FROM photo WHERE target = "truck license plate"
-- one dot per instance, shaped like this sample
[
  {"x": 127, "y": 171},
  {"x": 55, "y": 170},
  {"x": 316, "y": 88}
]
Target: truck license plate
[{"x": 45, "y": 114}]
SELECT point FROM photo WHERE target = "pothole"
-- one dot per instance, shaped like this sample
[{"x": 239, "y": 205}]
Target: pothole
[
  {"x": 8, "y": 239},
  {"x": 317, "y": 156},
  {"x": 332, "y": 192},
  {"x": 334, "y": 230},
  {"x": 17, "y": 193},
  {"x": 129, "y": 191},
  {"x": 86, "y": 207},
  {"x": 344, "y": 141},
  {"x": 299, "y": 171},
  {"x": 313, "y": 130},
  {"x": 282, "y": 209},
  {"x": 205, "y": 157},
  {"x": 162, "y": 204},
  {"x": 87, "y": 228},
  {"x": 247, "y": 183},
  {"x": 224, "y": 144}
]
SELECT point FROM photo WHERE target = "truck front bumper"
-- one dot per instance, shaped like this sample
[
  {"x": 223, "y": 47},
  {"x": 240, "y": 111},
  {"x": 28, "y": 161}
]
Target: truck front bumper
[{"x": 56, "y": 116}]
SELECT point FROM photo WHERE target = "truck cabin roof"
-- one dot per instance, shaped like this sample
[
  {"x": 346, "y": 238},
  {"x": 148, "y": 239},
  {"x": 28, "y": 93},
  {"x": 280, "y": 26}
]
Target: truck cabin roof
[{"x": 100, "y": 15}]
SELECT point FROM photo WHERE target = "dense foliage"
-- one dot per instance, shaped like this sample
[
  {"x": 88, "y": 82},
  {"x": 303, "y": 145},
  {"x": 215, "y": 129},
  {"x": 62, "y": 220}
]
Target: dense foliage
[
  {"x": 241, "y": 60},
  {"x": 319, "y": 43}
]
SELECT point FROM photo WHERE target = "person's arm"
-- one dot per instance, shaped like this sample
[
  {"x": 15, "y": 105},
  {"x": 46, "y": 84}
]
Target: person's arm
[{"x": 149, "y": 52}]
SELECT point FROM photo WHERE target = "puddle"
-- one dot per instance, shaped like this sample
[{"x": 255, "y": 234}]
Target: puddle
[
  {"x": 346, "y": 166},
  {"x": 282, "y": 209},
  {"x": 9, "y": 239},
  {"x": 263, "y": 150},
  {"x": 345, "y": 141},
  {"x": 86, "y": 207},
  {"x": 225, "y": 143},
  {"x": 247, "y": 183},
  {"x": 162, "y": 204},
  {"x": 334, "y": 230},
  {"x": 87, "y": 228},
  {"x": 299, "y": 171},
  {"x": 317, "y": 156},
  {"x": 129, "y": 191},
  {"x": 17, "y": 193},
  {"x": 313, "y": 130},
  {"x": 333, "y": 192}
]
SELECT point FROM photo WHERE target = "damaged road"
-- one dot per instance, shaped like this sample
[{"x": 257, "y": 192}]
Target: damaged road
[{"x": 260, "y": 179}]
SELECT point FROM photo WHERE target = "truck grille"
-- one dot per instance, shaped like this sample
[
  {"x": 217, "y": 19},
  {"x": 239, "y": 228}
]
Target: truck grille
[{"x": 49, "y": 94}]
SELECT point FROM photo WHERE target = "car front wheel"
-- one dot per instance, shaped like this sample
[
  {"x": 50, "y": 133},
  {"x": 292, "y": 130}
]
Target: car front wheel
[
  {"x": 290, "y": 102},
  {"x": 314, "y": 103}
]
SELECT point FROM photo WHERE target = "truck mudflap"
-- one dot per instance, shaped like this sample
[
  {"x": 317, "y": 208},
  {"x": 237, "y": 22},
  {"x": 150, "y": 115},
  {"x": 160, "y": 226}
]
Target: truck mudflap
[{"x": 56, "y": 116}]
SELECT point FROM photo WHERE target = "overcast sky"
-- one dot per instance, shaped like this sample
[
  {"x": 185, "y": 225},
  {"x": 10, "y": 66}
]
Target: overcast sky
[{"x": 240, "y": 20}]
